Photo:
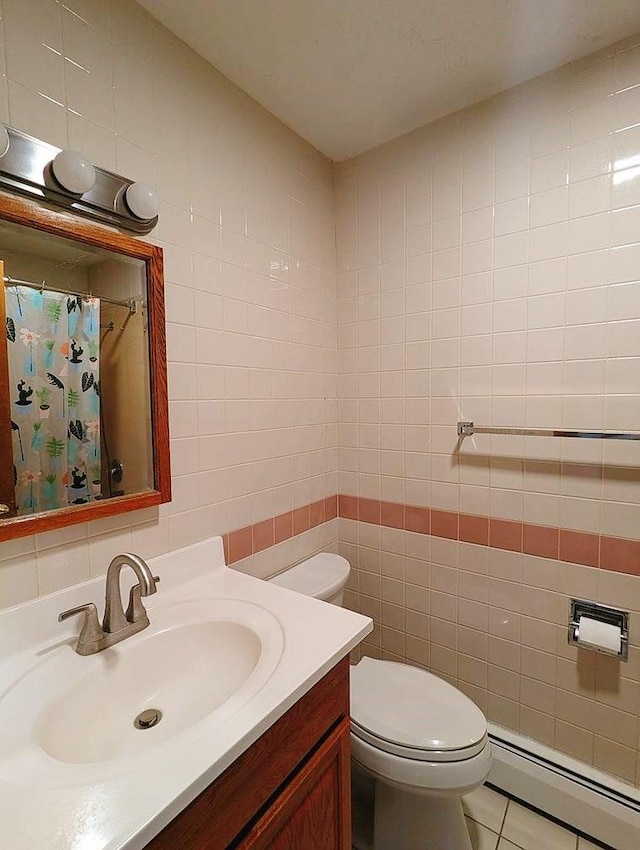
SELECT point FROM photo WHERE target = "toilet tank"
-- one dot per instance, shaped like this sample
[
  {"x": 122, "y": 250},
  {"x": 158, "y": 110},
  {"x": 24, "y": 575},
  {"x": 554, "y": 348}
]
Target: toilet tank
[{"x": 322, "y": 576}]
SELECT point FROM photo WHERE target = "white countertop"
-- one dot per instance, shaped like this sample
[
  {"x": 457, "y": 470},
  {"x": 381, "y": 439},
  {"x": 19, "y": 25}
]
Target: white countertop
[{"x": 126, "y": 802}]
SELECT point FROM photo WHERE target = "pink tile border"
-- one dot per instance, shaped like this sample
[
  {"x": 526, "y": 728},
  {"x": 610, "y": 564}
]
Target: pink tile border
[
  {"x": 578, "y": 547},
  {"x": 255, "y": 538},
  {"x": 445, "y": 524},
  {"x": 369, "y": 510},
  {"x": 392, "y": 515},
  {"x": 240, "y": 544},
  {"x": 506, "y": 534},
  {"x": 263, "y": 535},
  {"x": 348, "y": 507},
  {"x": 620, "y": 555},
  {"x": 540, "y": 540},
  {"x": 575, "y": 547},
  {"x": 417, "y": 519},
  {"x": 473, "y": 529},
  {"x": 283, "y": 524},
  {"x": 301, "y": 520}
]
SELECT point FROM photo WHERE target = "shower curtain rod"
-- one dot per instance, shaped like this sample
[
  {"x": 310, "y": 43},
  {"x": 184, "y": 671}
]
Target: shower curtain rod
[{"x": 12, "y": 281}]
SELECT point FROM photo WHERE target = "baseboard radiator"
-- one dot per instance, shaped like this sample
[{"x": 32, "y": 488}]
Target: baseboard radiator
[{"x": 581, "y": 796}]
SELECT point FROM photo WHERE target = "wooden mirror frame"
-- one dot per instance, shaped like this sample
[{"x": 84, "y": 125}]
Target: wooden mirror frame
[{"x": 39, "y": 217}]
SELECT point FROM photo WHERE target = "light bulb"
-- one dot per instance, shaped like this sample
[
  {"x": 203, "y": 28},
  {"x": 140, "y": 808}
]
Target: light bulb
[
  {"x": 74, "y": 172},
  {"x": 143, "y": 200},
  {"x": 4, "y": 140}
]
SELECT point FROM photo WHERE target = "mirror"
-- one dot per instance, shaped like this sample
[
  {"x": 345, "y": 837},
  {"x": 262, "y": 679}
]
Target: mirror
[{"x": 83, "y": 389}]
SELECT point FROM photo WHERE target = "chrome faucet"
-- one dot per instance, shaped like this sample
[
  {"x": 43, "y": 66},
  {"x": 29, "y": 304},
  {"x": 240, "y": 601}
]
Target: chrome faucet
[{"x": 116, "y": 625}]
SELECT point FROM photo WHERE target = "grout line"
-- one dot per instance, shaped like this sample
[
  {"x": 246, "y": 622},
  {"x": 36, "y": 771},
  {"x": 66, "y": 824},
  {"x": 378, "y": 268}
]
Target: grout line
[
  {"x": 504, "y": 817},
  {"x": 484, "y": 827}
]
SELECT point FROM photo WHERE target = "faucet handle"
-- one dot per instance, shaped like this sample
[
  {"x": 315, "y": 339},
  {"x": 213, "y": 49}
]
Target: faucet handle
[
  {"x": 91, "y": 631},
  {"x": 135, "y": 609}
]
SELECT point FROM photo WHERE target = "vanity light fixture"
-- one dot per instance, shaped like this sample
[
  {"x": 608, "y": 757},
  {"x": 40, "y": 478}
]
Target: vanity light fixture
[
  {"x": 74, "y": 172},
  {"x": 66, "y": 178},
  {"x": 142, "y": 200}
]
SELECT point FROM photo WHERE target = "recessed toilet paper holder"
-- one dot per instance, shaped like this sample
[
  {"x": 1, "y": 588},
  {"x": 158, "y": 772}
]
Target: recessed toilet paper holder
[{"x": 604, "y": 614}]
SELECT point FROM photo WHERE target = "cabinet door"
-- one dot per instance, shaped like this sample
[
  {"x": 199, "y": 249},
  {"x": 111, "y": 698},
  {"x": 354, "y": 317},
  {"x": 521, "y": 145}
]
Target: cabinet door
[
  {"x": 237, "y": 806},
  {"x": 314, "y": 810}
]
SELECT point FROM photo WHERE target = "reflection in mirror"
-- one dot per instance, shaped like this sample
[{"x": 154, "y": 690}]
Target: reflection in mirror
[
  {"x": 76, "y": 376},
  {"x": 78, "y": 371}
]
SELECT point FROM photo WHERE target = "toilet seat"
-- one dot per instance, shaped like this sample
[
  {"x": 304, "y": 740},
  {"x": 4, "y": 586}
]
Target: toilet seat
[
  {"x": 415, "y": 776},
  {"x": 408, "y": 712},
  {"x": 415, "y": 752}
]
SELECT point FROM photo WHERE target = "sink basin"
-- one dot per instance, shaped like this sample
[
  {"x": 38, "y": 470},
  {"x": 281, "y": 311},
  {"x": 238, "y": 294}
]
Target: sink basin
[
  {"x": 197, "y": 660},
  {"x": 186, "y": 672},
  {"x": 225, "y": 656}
]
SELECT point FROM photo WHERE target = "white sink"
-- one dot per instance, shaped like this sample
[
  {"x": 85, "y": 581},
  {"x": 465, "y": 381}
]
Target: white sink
[
  {"x": 225, "y": 656},
  {"x": 197, "y": 660}
]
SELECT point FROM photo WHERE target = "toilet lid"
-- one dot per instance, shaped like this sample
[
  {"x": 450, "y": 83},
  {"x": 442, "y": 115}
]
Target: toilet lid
[
  {"x": 321, "y": 576},
  {"x": 412, "y": 708}
]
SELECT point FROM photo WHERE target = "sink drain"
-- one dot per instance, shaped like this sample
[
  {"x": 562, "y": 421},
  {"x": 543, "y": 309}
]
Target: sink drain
[{"x": 148, "y": 719}]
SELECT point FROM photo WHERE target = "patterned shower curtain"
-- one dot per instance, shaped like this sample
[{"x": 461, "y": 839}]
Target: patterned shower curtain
[{"x": 53, "y": 344}]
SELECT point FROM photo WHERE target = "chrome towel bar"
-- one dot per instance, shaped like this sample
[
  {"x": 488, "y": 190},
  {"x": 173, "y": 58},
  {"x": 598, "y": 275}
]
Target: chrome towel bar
[{"x": 468, "y": 429}]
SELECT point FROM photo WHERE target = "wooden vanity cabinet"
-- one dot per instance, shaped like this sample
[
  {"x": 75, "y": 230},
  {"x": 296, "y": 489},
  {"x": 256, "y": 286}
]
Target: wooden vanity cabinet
[{"x": 289, "y": 791}]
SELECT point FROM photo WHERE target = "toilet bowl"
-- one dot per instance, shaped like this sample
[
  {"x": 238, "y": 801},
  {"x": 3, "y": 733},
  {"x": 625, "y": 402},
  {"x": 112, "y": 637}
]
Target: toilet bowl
[
  {"x": 425, "y": 744},
  {"x": 420, "y": 740}
]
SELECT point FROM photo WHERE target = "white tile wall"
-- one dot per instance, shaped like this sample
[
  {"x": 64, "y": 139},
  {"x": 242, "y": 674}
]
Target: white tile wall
[
  {"x": 488, "y": 269},
  {"x": 503, "y": 243},
  {"x": 247, "y": 227}
]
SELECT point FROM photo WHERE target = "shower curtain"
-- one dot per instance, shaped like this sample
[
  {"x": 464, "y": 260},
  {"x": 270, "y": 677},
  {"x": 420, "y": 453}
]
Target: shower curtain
[{"x": 53, "y": 345}]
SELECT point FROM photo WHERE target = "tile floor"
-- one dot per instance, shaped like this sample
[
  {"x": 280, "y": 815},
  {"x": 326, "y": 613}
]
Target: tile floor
[{"x": 497, "y": 823}]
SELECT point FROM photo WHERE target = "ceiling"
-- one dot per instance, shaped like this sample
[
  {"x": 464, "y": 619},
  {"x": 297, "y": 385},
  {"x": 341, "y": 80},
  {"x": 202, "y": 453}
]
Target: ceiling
[{"x": 347, "y": 75}]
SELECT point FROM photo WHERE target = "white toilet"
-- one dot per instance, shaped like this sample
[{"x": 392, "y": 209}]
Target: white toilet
[{"x": 422, "y": 741}]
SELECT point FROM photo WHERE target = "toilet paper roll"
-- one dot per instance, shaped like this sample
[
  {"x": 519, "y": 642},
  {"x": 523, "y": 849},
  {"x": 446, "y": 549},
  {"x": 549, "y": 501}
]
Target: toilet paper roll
[{"x": 598, "y": 635}]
